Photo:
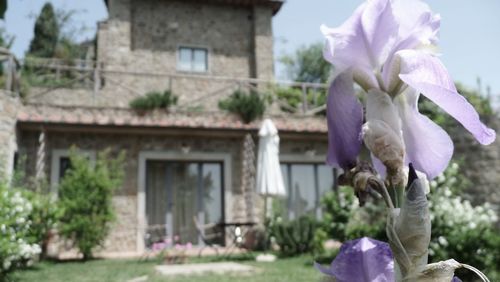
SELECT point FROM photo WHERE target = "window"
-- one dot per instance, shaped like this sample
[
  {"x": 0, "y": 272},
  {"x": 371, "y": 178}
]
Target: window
[
  {"x": 192, "y": 59},
  {"x": 305, "y": 184},
  {"x": 64, "y": 166},
  {"x": 60, "y": 165}
]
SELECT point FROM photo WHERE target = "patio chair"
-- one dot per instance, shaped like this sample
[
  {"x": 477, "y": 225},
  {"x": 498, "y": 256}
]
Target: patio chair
[{"x": 211, "y": 235}]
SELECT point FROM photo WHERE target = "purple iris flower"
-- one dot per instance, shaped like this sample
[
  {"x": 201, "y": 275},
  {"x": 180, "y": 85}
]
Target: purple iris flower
[
  {"x": 388, "y": 45},
  {"x": 363, "y": 260}
]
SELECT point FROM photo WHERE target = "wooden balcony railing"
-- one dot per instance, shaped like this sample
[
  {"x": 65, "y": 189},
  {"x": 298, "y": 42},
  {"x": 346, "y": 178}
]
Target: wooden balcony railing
[{"x": 194, "y": 89}]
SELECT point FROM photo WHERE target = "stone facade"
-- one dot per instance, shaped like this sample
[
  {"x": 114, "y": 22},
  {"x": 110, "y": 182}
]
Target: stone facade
[
  {"x": 125, "y": 235},
  {"x": 143, "y": 36},
  {"x": 137, "y": 52},
  {"x": 9, "y": 106},
  {"x": 480, "y": 164}
]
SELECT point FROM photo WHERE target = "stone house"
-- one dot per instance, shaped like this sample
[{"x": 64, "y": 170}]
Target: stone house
[{"x": 192, "y": 161}]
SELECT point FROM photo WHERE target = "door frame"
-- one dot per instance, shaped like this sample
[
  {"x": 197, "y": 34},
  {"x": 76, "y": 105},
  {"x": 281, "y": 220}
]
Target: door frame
[{"x": 144, "y": 156}]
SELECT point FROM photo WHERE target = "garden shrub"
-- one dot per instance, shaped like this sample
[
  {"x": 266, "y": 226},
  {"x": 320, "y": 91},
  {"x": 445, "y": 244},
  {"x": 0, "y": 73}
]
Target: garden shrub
[
  {"x": 294, "y": 237},
  {"x": 16, "y": 246},
  {"x": 344, "y": 220},
  {"x": 43, "y": 217},
  {"x": 337, "y": 209},
  {"x": 249, "y": 106},
  {"x": 45, "y": 209},
  {"x": 85, "y": 197},
  {"x": 293, "y": 97},
  {"x": 460, "y": 230},
  {"x": 154, "y": 100}
]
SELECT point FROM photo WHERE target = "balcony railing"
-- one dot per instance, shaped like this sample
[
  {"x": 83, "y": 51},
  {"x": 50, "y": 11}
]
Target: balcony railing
[{"x": 195, "y": 91}]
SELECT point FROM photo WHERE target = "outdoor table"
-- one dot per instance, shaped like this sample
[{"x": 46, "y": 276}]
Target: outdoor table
[{"x": 237, "y": 234}]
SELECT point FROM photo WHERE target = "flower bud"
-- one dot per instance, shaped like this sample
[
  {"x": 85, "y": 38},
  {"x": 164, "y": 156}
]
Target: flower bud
[
  {"x": 387, "y": 146},
  {"x": 409, "y": 228},
  {"x": 413, "y": 225}
]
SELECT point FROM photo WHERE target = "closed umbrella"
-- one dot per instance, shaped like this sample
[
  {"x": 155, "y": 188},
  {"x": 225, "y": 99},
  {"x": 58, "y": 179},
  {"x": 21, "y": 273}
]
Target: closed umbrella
[{"x": 269, "y": 178}]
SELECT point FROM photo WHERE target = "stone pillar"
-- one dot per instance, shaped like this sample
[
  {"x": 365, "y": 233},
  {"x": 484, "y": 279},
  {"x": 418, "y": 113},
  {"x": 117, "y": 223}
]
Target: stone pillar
[
  {"x": 114, "y": 36},
  {"x": 248, "y": 173},
  {"x": 263, "y": 42},
  {"x": 40, "y": 156},
  {"x": 8, "y": 144}
]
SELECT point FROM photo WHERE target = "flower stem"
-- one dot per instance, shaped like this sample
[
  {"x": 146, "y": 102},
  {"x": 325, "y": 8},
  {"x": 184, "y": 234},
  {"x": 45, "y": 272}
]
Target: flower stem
[
  {"x": 397, "y": 194},
  {"x": 392, "y": 193}
]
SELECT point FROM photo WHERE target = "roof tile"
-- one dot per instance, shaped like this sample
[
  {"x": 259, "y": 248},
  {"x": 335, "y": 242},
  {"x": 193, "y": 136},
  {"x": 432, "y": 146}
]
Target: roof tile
[{"x": 125, "y": 117}]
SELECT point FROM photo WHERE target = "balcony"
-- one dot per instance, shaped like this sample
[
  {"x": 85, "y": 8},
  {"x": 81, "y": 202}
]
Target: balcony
[
  {"x": 85, "y": 83},
  {"x": 83, "y": 93}
]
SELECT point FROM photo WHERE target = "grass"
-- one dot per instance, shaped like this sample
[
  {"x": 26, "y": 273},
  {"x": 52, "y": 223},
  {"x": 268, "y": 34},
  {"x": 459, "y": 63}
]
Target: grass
[{"x": 290, "y": 269}]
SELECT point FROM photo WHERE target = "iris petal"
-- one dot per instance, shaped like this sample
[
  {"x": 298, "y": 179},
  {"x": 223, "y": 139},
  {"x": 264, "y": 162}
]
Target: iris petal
[
  {"x": 428, "y": 147},
  {"x": 344, "y": 46},
  {"x": 415, "y": 16},
  {"x": 426, "y": 74},
  {"x": 379, "y": 30},
  {"x": 417, "y": 26},
  {"x": 364, "y": 40},
  {"x": 345, "y": 119},
  {"x": 360, "y": 260}
]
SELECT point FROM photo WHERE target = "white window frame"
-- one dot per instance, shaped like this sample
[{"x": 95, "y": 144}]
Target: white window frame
[
  {"x": 193, "y": 48},
  {"x": 57, "y": 154}
]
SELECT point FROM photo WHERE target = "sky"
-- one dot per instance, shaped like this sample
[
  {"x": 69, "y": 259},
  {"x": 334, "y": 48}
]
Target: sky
[{"x": 470, "y": 30}]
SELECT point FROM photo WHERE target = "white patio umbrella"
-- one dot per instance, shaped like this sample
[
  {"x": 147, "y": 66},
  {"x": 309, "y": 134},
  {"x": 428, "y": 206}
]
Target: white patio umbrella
[{"x": 269, "y": 178}]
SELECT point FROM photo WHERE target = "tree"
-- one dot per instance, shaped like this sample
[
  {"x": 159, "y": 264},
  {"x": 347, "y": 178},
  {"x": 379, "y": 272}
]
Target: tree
[
  {"x": 307, "y": 64},
  {"x": 46, "y": 33},
  {"x": 3, "y": 8},
  {"x": 85, "y": 199}
]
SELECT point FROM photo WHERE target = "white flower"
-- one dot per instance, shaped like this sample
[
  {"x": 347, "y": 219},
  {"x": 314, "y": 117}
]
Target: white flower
[
  {"x": 442, "y": 241},
  {"x": 20, "y": 220},
  {"x": 472, "y": 225},
  {"x": 447, "y": 193},
  {"x": 6, "y": 264}
]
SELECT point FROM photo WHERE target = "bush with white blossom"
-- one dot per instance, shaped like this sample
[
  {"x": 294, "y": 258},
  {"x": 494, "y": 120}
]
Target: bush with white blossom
[
  {"x": 459, "y": 229},
  {"x": 16, "y": 247}
]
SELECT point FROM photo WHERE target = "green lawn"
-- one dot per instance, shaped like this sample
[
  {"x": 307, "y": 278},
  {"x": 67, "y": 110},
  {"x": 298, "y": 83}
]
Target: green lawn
[{"x": 292, "y": 269}]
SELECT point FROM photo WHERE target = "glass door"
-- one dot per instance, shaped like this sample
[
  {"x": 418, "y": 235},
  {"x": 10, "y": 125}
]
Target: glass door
[{"x": 176, "y": 192}]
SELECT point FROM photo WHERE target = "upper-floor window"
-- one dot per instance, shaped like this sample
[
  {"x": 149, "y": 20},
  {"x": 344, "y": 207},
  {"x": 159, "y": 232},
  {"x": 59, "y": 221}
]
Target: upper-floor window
[{"x": 192, "y": 59}]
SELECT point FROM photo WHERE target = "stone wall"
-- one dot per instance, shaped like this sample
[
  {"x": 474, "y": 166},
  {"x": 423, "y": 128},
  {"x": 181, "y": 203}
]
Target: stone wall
[
  {"x": 123, "y": 237},
  {"x": 143, "y": 36},
  {"x": 263, "y": 43},
  {"x": 9, "y": 106},
  {"x": 480, "y": 164}
]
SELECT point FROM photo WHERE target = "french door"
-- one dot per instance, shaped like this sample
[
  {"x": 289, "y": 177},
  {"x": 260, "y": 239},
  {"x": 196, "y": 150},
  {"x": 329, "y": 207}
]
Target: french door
[{"x": 178, "y": 191}]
